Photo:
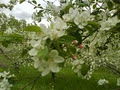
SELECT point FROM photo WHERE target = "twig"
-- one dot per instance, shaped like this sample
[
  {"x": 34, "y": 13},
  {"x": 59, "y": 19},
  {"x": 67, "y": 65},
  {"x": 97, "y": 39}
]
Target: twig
[
  {"x": 94, "y": 36},
  {"x": 33, "y": 81},
  {"x": 2, "y": 52},
  {"x": 113, "y": 69}
]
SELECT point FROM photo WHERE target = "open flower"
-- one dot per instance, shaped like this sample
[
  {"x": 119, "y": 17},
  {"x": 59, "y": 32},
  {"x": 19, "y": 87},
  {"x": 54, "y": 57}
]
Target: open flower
[
  {"x": 60, "y": 24},
  {"x": 72, "y": 14},
  {"x": 54, "y": 34},
  {"x": 51, "y": 65},
  {"x": 82, "y": 19},
  {"x": 108, "y": 24}
]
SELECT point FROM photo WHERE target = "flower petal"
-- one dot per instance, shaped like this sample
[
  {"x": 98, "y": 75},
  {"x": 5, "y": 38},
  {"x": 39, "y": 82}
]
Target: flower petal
[
  {"x": 58, "y": 59},
  {"x": 33, "y": 52},
  {"x": 35, "y": 43},
  {"x": 53, "y": 53},
  {"x": 45, "y": 72},
  {"x": 75, "y": 62},
  {"x": 36, "y": 63},
  {"x": 53, "y": 67}
]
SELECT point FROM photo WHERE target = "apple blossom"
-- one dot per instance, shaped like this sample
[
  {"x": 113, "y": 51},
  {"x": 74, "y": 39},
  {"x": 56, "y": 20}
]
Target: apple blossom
[
  {"x": 102, "y": 81},
  {"x": 50, "y": 65}
]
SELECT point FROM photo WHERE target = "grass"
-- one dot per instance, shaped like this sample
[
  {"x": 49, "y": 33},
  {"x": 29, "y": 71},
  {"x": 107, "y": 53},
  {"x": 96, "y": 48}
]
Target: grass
[{"x": 66, "y": 79}]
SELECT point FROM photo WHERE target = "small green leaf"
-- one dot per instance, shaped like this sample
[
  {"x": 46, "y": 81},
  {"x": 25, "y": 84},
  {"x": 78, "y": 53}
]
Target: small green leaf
[
  {"x": 110, "y": 5},
  {"x": 12, "y": 38},
  {"x": 67, "y": 39},
  {"x": 25, "y": 51},
  {"x": 43, "y": 53},
  {"x": 34, "y": 2},
  {"x": 48, "y": 42},
  {"x": 32, "y": 28},
  {"x": 5, "y": 44},
  {"x": 72, "y": 49},
  {"x": 85, "y": 69},
  {"x": 21, "y": 1},
  {"x": 93, "y": 24},
  {"x": 77, "y": 37},
  {"x": 90, "y": 29}
]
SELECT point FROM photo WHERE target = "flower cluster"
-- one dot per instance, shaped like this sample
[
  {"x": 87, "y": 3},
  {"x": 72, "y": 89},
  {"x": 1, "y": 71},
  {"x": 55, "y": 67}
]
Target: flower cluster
[
  {"x": 109, "y": 23},
  {"x": 80, "y": 18},
  {"x": 102, "y": 82},
  {"x": 49, "y": 65},
  {"x": 77, "y": 66},
  {"x": 4, "y": 84},
  {"x": 79, "y": 25}
]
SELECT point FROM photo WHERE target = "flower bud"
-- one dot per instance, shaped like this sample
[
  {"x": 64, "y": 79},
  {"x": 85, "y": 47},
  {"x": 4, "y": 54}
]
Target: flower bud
[
  {"x": 75, "y": 42},
  {"x": 74, "y": 57},
  {"x": 80, "y": 46}
]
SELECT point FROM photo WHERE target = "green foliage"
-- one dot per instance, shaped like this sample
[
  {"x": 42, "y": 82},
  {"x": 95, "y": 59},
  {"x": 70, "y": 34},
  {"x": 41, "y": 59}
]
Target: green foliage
[
  {"x": 11, "y": 38},
  {"x": 43, "y": 53},
  {"x": 32, "y": 28},
  {"x": 67, "y": 39},
  {"x": 34, "y": 1},
  {"x": 110, "y": 5},
  {"x": 94, "y": 24},
  {"x": 85, "y": 69},
  {"x": 21, "y": 1}
]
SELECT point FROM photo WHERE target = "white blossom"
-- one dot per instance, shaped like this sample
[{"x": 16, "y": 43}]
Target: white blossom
[
  {"x": 102, "y": 81},
  {"x": 108, "y": 24},
  {"x": 50, "y": 65},
  {"x": 118, "y": 81},
  {"x": 4, "y": 84}
]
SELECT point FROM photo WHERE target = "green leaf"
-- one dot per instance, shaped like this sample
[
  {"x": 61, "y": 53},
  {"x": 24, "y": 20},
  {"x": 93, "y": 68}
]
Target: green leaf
[
  {"x": 82, "y": 4},
  {"x": 67, "y": 39},
  {"x": 110, "y": 5},
  {"x": 90, "y": 29},
  {"x": 25, "y": 51},
  {"x": 43, "y": 53},
  {"x": 32, "y": 28},
  {"x": 93, "y": 24},
  {"x": 34, "y": 2},
  {"x": 116, "y": 1},
  {"x": 77, "y": 37},
  {"x": 12, "y": 38},
  {"x": 72, "y": 49},
  {"x": 85, "y": 69},
  {"x": 117, "y": 28},
  {"x": 5, "y": 44},
  {"x": 48, "y": 43},
  {"x": 21, "y": 1}
]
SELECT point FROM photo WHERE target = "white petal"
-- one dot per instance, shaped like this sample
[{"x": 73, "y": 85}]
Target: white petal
[
  {"x": 36, "y": 63},
  {"x": 53, "y": 53},
  {"x": 53, "y": 67},
  {"x": 44, "y": 28},
  {"x": 45, "y": 72},
  {"x": 35, "y": 43},
  {"x": 61, "y": 33},
  {"x": 58, "y": 59},
  {"x": 71, "y": 10},
  {"x": 67, "y": 17},
  {"x": 75, "y": 62},
  {"x": 33, "y": 52}
]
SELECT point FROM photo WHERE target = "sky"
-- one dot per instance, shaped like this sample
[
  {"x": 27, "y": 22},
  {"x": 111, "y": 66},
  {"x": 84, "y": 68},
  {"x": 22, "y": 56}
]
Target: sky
[{"x": 24, "y": 10}]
